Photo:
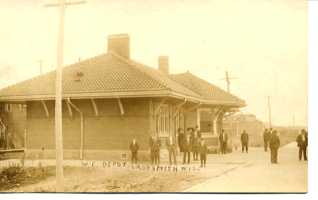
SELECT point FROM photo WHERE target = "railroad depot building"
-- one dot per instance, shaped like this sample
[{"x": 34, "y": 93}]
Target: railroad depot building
[{"x": 110, "y": 99}]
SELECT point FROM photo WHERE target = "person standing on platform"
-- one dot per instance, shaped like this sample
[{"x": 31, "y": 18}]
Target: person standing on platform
[
  {"x": 172, "y": 149},
  {"x": 181, "y": 139},
  {"x": 186, "y": 150},
  {"x": 244, "y": 141},
  {"x": 302, "y": 143},
  {"x": 266, "y": 137},
  {"x": 195, "y": 144},
  {"x": 151, "y": 144},
  {"x": 156, "y": 151},
  {"x": 223, "y": 141},
  {"x": 203, "y": 149},
  {"x": 274, "y": 145},
  {"x": 134, "y": 147}
]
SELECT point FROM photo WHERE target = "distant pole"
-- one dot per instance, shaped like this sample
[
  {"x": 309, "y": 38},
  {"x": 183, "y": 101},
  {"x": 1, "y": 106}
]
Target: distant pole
[
  {"x": 227, "y": 79},
  {"x": 58, "y": 94},
  {"x": 294, "y": 126},
  {"x": 41, "y": 66},
  {"x": 269, "y": 112}
]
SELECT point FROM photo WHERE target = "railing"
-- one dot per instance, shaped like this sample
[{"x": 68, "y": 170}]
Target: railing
[
  {"x": 3, "y": 151},
  {"x": 6, "y": 154}
]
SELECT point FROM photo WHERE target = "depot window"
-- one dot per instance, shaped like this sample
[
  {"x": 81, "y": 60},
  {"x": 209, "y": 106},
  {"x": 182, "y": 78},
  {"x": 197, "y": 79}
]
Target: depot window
[{"x": 204, "y": 121}]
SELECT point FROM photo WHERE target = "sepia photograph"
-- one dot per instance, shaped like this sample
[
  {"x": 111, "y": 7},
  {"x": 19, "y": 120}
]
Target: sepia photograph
[{"x": 146, "y": 96}]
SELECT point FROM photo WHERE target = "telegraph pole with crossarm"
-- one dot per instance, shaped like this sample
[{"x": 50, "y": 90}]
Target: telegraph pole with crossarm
[
  {"x": 58, "y": 93},
  {"x": 228, "y": 81}
]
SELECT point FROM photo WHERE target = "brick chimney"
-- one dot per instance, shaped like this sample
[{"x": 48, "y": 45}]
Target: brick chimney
[
  {"x": 163, "y": 64},
  {"x": 119, "y": 44}
]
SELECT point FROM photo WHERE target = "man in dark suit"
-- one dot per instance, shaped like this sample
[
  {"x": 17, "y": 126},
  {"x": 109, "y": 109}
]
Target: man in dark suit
[
  {"x": 186, "y": 150},
  {"x": 302, "y": 143},
  {"x": 156, "y": 151},
  {"x": 194, "y": 138},
  {"x": 134, "y": 147},
  {"x": 274, "y": 145},
  {"x": 266, "y": 137},
  {"x": 223, "y": 141},
  {"x": 151, "y": 143},
  {"x": 172, "y": 149},
  {"x": 244, "y": 141},
  {"x": 181, "y": 138},
  {"x": 203, "y": 149}
]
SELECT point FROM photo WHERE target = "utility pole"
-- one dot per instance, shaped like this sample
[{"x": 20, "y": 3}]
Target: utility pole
[
  {"x": 58, "y": 93},
  {"x": 228, "y": 81},
  {"x": 269, "y": 112},
  {"x": 41, "y": 61}
]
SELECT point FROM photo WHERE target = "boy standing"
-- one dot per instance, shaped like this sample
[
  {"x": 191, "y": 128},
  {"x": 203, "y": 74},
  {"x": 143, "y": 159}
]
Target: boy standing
[{"x": 203, "y": 149}]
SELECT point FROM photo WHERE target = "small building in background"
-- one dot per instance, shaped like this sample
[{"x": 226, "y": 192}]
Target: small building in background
[{"x": 235, "y": 124}]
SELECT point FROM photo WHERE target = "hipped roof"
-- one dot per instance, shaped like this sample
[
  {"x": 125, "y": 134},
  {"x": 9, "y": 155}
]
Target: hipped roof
[{"x": 112, "y": 76}]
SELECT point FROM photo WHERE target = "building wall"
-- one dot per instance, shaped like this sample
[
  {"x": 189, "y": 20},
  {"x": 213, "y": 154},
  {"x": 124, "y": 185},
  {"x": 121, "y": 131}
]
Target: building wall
[
  {"x": 191, "y": 119},
  {"x": 108, "y": 131},
  {"x": 106, "y": 135}
]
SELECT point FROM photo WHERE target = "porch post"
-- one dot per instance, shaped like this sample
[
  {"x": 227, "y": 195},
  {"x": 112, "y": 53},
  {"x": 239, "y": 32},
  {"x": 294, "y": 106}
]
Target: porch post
[
  {"x": 215, "y": 124},
  {"x": 45, "y": 108},
  {"x": 220, "y": 121},
  {"x": 81, "y": 154},
  {"x": 218, "y": 112},
  {"x": 25, "y": 140},
  {"x": 151, "y": 118}
]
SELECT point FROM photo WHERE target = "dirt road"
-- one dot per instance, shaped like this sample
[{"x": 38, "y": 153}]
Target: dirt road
[
  {"x": 234, "y": 172},
  {"x": 259, "y": 175}
]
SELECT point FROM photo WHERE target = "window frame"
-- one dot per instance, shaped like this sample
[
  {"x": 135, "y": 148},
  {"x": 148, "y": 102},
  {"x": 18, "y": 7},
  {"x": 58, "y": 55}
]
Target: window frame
[
  {"x": 163, "y": 121},
  {"x": 199, "y": 110},
  {"x": 8, "y": 107}
]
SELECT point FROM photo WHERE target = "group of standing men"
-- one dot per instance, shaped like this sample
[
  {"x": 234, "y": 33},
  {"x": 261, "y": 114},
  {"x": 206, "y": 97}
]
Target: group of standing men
[
  {"x": 272, "y": 141},
  {"x": 154, "y": 144},
  {"x": 223, "y": 139},
  {"x": 190, "y": 142}
]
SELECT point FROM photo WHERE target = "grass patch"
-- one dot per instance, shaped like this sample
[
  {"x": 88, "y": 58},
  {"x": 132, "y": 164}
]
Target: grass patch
[{"x": 12, "y": 177}]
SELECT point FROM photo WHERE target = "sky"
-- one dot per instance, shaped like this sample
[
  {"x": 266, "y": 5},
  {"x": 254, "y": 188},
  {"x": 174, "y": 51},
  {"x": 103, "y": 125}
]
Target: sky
[{"x": 262, "y": 43}]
